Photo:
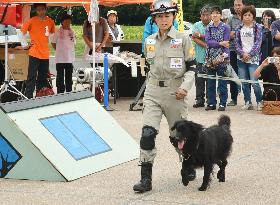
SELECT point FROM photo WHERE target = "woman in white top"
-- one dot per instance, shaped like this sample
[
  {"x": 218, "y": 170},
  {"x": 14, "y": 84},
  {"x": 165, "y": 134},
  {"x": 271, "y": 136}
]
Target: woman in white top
[
  {"x": 115, "y": 31},
  {"x": 63, "y": 42},
  {"x": 248, "y": 39}
]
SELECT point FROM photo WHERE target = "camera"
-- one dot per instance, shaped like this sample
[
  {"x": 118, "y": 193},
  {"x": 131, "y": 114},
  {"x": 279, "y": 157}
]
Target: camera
[
  {"x": 273, "y": 59},
  {"x": 269, "y": 21}
]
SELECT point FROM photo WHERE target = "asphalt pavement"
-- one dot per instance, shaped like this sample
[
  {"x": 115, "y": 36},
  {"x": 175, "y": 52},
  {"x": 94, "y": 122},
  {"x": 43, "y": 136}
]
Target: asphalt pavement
[{"x": 252, "y": 174}]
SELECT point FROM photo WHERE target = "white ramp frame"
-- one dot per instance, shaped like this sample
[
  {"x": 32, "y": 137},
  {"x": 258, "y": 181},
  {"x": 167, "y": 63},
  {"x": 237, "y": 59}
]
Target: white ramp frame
[{"x": 124, "y": 148}]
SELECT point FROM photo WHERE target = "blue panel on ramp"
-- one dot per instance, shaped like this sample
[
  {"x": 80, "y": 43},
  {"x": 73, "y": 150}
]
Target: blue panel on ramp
[{"x": 75, "y": 135}]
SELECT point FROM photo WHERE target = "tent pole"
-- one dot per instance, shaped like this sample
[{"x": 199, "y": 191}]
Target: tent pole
[{"x": 93, "y": 59}]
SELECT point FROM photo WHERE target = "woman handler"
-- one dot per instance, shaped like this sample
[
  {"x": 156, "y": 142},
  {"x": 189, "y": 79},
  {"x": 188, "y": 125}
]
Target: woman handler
[{"x": 170, "y": 56}]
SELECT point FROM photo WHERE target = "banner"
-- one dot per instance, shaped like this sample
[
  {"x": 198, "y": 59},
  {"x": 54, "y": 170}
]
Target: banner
[
  {"x": 93, "y": 13},
  {"x": 180, "y": 16},
  {"x": 11, "y": 14}
]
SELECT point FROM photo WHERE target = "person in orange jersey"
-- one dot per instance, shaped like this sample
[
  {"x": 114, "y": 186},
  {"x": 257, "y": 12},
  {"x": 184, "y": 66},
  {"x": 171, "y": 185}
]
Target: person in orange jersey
[{"x": 40, "y": 28}]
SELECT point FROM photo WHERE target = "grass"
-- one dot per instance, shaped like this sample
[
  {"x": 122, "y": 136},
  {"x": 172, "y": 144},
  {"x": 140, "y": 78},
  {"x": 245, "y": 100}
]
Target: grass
[
  {"x": 133, "y": 32},
  {"x": 130, "y": 33}
]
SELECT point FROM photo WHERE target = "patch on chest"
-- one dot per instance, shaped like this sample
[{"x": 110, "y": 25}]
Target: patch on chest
[{"x": 176, "y": 63}]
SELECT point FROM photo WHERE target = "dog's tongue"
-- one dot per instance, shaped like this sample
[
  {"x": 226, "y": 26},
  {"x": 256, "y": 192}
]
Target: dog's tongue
[{"x": 181, "y": 144}]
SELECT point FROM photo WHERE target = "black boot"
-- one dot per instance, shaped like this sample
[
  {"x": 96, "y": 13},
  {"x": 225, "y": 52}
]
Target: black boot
[
  {"x": 188, "y": 173},
  {"x": 145, "y": 183}
]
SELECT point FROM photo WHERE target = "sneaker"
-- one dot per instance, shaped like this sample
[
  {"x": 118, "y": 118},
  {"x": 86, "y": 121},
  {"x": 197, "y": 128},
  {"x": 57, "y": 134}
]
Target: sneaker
[
  {"x": 232, "y": 103},
  {"x": 198, "y": 104},
  {"x": 221, "y": 108},
  {"x": 210, "y": 107},
  {"x": 248, "y": 106},
  {"x": 260, "y": 106}
]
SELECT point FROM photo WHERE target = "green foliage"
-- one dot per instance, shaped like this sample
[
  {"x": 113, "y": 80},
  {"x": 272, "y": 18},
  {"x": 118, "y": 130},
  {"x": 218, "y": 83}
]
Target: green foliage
[
  {"x": 80, "y": 45},
  {"x": 79, "y": 14},
  {"x": 137, "y": 14},
  {"x": 130, "y": 32},
  {"x": 192, "y": 7},
  {"x": 133, "y": 32},
  {"x": 129, "y": 14}
]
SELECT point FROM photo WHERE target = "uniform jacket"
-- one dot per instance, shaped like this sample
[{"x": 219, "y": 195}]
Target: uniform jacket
[{"x": 170, "y": 58}]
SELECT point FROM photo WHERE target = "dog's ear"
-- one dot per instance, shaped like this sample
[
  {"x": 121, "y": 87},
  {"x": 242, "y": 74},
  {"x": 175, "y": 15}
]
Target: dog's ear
[{"x": 174, "y": 126}]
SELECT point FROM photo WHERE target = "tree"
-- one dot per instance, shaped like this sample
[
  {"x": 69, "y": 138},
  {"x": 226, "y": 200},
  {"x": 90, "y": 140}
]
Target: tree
[{"x": 137, "y": 14}]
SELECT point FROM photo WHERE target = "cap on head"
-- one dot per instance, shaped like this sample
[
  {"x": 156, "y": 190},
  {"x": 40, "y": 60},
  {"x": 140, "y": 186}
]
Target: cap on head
[
  {"x": 112, "y": 12},
  {"x": 163, "y": 6}
]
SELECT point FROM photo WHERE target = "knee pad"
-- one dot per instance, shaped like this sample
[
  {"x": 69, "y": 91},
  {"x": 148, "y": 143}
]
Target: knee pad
[{"x": 147, "y": 141}]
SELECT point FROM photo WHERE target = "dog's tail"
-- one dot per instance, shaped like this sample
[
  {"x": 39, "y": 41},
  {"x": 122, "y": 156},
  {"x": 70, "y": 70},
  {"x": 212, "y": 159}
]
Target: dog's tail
[{"x": 224, "y": 120}]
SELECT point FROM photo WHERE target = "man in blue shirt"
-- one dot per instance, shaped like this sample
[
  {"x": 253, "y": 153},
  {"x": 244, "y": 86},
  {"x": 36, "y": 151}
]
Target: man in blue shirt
[
  {"x": 150, "y": 28},
  {"x": 198, "y": 37}
]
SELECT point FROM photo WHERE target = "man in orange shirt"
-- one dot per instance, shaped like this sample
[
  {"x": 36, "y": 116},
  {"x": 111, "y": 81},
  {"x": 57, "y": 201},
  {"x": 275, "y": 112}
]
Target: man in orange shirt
[{"x": 40, "y": 28}]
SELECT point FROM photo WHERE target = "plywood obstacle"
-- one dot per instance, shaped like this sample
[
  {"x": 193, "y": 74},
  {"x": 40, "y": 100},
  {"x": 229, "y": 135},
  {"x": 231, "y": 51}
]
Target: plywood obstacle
[{"x": 60, "y": 138}]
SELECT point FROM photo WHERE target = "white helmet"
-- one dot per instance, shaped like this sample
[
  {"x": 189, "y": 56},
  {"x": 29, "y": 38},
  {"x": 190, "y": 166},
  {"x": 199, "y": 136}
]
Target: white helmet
[
  {"x": 163, "y": 6},
  {"x": 112, "y": 12}
]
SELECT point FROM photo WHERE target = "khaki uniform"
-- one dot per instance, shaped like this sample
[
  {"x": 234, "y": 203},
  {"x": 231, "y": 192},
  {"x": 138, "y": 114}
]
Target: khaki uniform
[{"x": 167, "y": 57}]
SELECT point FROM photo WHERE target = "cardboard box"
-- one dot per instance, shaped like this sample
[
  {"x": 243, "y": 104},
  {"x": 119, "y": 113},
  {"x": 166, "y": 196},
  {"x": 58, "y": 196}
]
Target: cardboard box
[{"x": 18, "y": 61}]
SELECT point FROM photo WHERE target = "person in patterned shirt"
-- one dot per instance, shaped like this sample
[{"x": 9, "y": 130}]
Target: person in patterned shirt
[{"x": 217, "y": 38}]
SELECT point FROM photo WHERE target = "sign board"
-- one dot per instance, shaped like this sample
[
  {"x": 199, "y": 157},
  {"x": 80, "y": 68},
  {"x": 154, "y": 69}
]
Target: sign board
[{"x": 18, "y": 61}]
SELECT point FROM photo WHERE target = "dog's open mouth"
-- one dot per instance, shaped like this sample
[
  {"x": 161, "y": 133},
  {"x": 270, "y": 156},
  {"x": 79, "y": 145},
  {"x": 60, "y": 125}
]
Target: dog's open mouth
[{"x": 181, "y": 144}]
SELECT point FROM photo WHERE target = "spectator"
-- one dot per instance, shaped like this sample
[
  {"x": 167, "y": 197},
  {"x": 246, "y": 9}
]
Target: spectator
[
  {"x": 268, "y": 17},
  {"x": 217, "y": 39},
  {"x": 40, "y": 27},
  {"x": 64, "y": 44},
  {"x": 234, "y": 21},
  {"x": 101, "y": 35},
  {"x": 198, "y": 37},
  {"x": 115, "y": 30},
  {"x": 248, "y": 38},
  {"x": 275, "y": 32},
  {"x": 150, "y": 28},
  {"x": 270, "y": 72}
]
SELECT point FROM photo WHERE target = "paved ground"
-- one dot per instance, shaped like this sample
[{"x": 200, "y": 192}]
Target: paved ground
[{"x": 252, "y": 176}]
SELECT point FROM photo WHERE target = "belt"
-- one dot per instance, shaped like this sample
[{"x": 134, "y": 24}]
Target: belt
[{"x": 165, "y": 83}]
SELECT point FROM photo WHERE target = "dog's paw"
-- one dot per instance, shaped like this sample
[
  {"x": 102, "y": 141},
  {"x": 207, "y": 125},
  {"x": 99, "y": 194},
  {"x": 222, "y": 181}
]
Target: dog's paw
[
  {"x": 185, "y": 182},
  {"x": 222, "y": 180},
  {"x": 202, "y": 188},
  {"x": 221, "y": 176}
]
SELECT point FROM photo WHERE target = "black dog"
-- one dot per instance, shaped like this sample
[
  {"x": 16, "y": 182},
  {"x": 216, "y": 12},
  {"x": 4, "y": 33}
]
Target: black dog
[{"x": 203, "y": 148}]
